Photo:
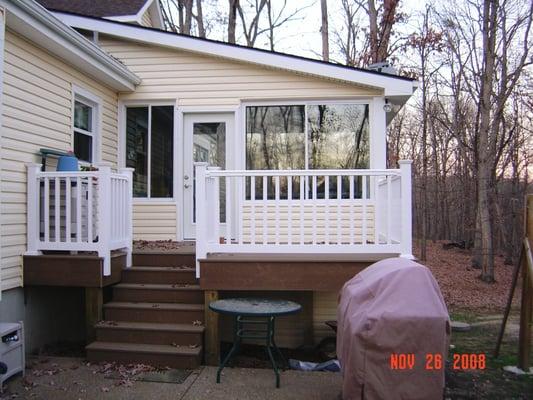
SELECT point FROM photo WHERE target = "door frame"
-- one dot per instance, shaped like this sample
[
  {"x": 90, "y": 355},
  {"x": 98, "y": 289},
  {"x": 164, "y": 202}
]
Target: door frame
[{"x": 233, "y": 142}]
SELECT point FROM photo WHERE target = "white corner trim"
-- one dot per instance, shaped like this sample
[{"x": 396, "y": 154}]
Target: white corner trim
[
  {"x": 391, "y": 85},
  {"x": 33, "y": 21}
]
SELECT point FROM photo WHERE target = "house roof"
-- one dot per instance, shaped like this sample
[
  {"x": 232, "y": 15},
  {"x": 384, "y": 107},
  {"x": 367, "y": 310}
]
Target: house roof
[
  {"x": 397, "y": 88},
  {"x": 96, "y": 8},
  {"x": 34, "y": 22}
]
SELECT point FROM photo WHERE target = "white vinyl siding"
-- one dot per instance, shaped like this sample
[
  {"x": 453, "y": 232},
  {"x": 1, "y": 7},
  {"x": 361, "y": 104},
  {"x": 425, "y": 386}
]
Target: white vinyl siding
[
  {"x": 206, "y": 81},
  {"x": 154, "y": 221},
  {"x": 37, "y": 112}
]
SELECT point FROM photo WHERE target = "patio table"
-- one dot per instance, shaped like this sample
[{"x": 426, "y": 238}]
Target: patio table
[{"x": 259, "y": 313}]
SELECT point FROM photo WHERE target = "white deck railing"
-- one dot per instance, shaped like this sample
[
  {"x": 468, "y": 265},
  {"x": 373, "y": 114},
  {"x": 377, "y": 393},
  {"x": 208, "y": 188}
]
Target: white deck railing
[
  {"x": 80, "y": 211},
  {"x": 303, "y": 211}
]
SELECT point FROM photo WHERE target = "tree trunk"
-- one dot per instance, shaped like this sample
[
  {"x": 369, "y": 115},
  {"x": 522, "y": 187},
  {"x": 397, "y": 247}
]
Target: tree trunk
[
  {"x": 232, "y": 20},
  {"x": 200, "y": 19},
  {"x": 324, "y": 30}
]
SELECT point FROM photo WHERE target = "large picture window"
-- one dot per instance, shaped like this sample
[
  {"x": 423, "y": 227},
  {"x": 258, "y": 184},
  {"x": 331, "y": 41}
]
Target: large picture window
[
  {"x": 149, "y": 149},
  {"x": 312, "y": 136}
]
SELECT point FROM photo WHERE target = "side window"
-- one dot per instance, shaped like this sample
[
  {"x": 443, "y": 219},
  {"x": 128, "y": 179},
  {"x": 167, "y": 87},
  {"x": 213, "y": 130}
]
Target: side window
[{"x": 85, "y": 129}]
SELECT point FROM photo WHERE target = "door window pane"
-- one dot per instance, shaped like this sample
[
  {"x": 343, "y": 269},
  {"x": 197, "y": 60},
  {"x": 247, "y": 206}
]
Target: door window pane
[
  {"x": 161, "y": 144},
  {"x": 137, "y": 148},
  {"x": 83, "y": 146},
  {"x": 209, "y": 145}
]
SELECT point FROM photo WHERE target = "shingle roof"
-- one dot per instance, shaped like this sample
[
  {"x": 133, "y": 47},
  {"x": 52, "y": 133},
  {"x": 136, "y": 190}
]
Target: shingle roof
[{"x": 95, "y": 8}]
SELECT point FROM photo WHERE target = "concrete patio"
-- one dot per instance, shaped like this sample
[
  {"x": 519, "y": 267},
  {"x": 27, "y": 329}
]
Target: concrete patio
[{"x": 63, "y": 378}]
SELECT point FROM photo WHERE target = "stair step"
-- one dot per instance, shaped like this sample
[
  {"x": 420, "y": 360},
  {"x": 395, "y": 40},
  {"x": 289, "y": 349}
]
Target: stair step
[
  {"x": 183, "y": 357},
  {"x": 152, "y": 333},
  {"x": 159, "y": 275},
  {"x": 158, "y": 293},
  {"x": 153, "y": 312},
  {"x": 185, "y": 256}
]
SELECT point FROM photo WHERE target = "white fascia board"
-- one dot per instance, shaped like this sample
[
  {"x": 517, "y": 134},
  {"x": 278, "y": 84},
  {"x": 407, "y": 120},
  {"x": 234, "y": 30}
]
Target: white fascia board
[
  {"x": 391, "y": 86},
  {"x": 31, "y": 20}
]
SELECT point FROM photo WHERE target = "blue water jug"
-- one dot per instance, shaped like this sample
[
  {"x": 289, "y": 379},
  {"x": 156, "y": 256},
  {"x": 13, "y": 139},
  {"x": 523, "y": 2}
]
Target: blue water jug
[{"x": 67, "y": 163}]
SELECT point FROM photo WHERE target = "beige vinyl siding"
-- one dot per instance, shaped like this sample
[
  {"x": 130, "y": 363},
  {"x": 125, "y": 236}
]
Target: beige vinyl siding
[
  {"x": 37, "y": 112},
  {"x": 153, "y": 221},
  {"x": 324, "y": 309},
  {"x": 146, "y": 19},
  {"x": 204, "y": 81}
]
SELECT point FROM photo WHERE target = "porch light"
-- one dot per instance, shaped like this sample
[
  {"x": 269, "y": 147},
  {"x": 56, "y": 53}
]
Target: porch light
[{"x": 387, "y": 107}]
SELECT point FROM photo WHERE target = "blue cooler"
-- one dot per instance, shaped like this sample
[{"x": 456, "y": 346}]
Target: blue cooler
[{"x": 67, "y": 163}]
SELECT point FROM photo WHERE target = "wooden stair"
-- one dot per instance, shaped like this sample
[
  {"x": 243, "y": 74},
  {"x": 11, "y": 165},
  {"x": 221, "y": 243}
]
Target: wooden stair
[{"x": 156, "y": 315}]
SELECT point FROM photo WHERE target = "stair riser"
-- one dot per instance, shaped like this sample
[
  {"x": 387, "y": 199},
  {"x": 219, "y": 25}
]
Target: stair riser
[
  {"x": 159, "y": 360},
  {"x": 148, "y": 337},
  {"x": 164, "y": 260},
  {"x": 153, "y": 315},
  {"x": 158, "y": 296},
  {"x": 158, "y": 277}
]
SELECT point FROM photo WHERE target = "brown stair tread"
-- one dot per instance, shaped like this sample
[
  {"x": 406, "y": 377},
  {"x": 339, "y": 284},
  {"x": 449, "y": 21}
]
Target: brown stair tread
[
  {"x": 161, "y": 269},
  {"x": 147, "y": 326},
  {"x": 144, "y": 348},
  {"x": 156, "y": 286},
  {"x": 159, "y": 306}
]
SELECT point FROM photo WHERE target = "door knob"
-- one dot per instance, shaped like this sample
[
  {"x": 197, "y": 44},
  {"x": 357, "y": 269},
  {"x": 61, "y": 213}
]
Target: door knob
[
  {"x": 186, "y": 177},
  {"x": 186, "y": 186}
]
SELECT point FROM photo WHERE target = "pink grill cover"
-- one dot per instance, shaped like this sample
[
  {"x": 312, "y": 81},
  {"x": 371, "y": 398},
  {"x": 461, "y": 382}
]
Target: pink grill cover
[{"x": 391, "y": 317}]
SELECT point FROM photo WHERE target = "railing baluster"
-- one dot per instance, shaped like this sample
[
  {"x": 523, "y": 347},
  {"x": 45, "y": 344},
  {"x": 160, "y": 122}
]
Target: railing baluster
[
  {"x": 46, "y": 207},
  {"x": 326, "y": 208},
  {"x": 67, "y": 210},
  {"x": 78, "y": 210},
  {"x": 90, "y": 209},
  {"x": 252, "y": 208},
  {"x": 339, "y": 209},
  {"x": 240, "y": 203},
  {"x": 228, "y": 210},
  {"x": 302, "y": 205},
  {"x": 363, "y": 197},
  {"x": 57, "y": 210},
  {"x": 276, "y": 202},
  {"x": 313, "y": 224},
  {"x": 289, "y": 209},
  {"x": 352, "y": 201},
  {"x": 265, "y": 203},
  {"x": 389, "y": 207}
]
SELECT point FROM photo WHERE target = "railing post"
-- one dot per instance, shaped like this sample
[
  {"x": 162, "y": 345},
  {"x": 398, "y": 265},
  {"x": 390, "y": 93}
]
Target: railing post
[
  {"x": 212, "y": 192},
  {"x": 104, "y": 215},
  {"x": 129, "y": 214},
  {"x": 200, "y": 213},
  {"x": 33, "y": 222},
  {"x": 406, "y": 207}
]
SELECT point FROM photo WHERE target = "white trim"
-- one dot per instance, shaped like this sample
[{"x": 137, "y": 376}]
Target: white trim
[
  {"x": 391, "y": 85},
  {"x": 2, "y": 39},
  {"x": 90, "y": 99},
  {"x": 137, "y": 18},
  {"x": 33, "y": 21}
]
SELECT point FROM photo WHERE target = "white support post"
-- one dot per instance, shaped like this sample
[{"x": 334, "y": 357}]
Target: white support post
[
  {"x": 104, "y": 215},
  {"x": 407, "y": 221},
  {"x": 32, "y": 213},
  {"x": 129, "y": 213},
  {"x": 201, "y": 217}
]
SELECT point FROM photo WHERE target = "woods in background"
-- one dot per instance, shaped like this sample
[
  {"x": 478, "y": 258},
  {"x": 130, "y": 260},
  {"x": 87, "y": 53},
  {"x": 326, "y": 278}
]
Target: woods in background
[{"x": 469, "y": 128}]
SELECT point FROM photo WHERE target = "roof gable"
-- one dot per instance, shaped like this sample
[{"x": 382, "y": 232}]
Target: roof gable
[{"x": 96, "y": 8}]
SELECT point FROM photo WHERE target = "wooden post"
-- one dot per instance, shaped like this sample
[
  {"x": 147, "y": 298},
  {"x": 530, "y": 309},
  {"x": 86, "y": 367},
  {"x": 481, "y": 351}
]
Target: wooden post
[
  {"x": 526, "y": 308},
  {"x": 93, "y": 310},
  {"x": 212, "y": 341}
]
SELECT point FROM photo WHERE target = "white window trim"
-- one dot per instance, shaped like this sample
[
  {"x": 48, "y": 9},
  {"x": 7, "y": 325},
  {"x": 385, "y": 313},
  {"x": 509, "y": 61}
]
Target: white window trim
[
  {"x": 123, "y": 105},
  {"x": 90, "y": 99}
]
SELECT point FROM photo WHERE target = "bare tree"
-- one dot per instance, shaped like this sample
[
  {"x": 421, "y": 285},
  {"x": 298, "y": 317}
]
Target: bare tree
[
  {"x": 232, "y": 19},
  {"x": 324, "y": 30}
]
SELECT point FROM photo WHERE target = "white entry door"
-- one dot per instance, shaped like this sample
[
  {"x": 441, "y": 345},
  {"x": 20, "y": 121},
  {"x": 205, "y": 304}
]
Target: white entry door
[{"x": 205, "y": 138}]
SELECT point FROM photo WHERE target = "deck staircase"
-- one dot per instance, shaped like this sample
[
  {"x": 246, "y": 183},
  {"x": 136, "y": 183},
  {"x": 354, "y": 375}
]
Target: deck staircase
[{"x": 156, "y": 314}]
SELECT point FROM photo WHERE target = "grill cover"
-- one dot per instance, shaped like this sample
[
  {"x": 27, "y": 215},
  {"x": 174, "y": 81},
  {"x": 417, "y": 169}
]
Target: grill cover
[{"x": 389, "y": 315}]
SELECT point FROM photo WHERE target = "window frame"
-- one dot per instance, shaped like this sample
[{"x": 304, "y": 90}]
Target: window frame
[
  {"x": 91, "y": 100},
  {"x": 305, "y": 103},
  {"x": 123, "y": 146}
]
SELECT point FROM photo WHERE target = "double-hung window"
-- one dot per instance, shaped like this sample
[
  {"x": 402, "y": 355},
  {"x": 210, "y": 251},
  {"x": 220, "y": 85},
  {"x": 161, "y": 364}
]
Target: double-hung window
[
  {"x": 85, "y": 127},
  {"x": 149, "y": 149}
]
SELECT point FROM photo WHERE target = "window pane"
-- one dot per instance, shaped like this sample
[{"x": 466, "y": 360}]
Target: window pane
[
  {"x": 161, "y": 151},
  {"x": 83, "y": 146},
  {"x": 275, "y": 139},
  {"x": 83, "y": 116},
  {"x": 137, "y": 148},
  {"x": 338, "y": 138}
]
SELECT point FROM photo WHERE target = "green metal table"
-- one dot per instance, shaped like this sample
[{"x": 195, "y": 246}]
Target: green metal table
[{"x": 260, "y": 314}]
